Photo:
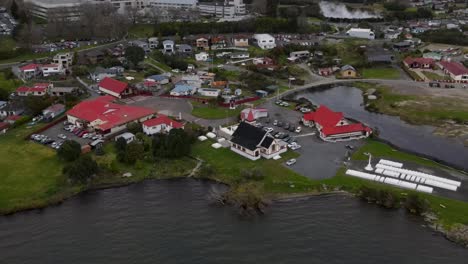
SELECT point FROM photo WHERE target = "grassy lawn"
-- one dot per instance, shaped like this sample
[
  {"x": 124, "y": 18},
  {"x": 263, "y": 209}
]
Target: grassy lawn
[
  {"x": 380, "y": 73},
  {"x": 141, "y": 31},
  {"x": 157, "y": 63},
  {"x": 31, "y": 174},
  {"x": 213, "y": 112},
  {"x": 435, "y": 76},
  {"x": 416, "y": 109},
  {"x": 348, "y": 51},
  {"x": 229, "y": 165}
]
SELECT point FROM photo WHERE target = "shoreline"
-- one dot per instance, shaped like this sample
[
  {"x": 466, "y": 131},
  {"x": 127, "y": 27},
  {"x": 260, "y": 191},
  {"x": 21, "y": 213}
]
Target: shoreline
[{"x": 431, "y": 222}]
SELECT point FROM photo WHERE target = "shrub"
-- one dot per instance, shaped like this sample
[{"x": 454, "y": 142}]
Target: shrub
[
  {"x": 69, "y": 151},
  {"x": 81, "y": 170},
  {"x": 416, "y": 205}
]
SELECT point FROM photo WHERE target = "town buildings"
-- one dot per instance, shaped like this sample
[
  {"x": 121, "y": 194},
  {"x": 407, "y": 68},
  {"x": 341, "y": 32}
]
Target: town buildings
[
  {"x": 160, "y": 124},
  {"x": 115, "y": 88},
  {"x": 105, "y": 117},
  {"x": 38, "y": 89},
  {"x": 332, "y": 126},
  {"x": 361, "y": 33},
  {"x": 250, "y": 115},
  {"x": 226, "y": 9},
  {"x": 456, "y": 70},
  {"x": 418, "y": 63},
  {"x": 254, "y": 143},
  {"x": 264, "y": 41}
]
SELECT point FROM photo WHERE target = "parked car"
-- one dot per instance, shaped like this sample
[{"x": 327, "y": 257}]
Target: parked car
[
  {"x": 61, "y": 136},
  {"x": 286, "y": 126},
  {"x": 280, "y": 124},
  {"x": 275, "y": 123},
  {"x": 350, "y": 147},
  {"x": 286, "y": 139},
  {"x": 295, "y": 146},
  {"x": 291, "y": 162},
  {"x": 298, "y": 129},
  {"x": 280, "y": 134}
]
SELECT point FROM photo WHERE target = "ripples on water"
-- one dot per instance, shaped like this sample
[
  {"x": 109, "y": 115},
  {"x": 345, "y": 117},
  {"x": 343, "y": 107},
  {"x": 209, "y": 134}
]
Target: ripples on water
[{"x": 174, "y": 222}]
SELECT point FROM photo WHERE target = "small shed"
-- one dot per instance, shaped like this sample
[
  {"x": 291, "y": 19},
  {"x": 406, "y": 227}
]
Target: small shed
[{"x": 261, "y": 93}]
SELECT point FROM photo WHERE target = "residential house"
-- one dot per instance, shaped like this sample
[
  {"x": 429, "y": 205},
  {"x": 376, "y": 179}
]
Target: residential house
[
  {"x": 418, "y": 63},
  {"x": 402, "y": 46},
  {"x": 263, "y": 62},
  {"x": 219, "y": 84},
  {"x": 105, "y": 117},
  {"x": 64, "y": 59},
  {"x": 333, "y": 126},
  {"x": 30, "y": 71},
  {"x": 127, "y": 136},
  {"x": 348, "y": 71},
  {"x": 254, "y": 143},
  {"x": 141, "y": 44},
  {"x": 4, "y": 127},
  {"x": 11, "y": 119},
  {"x": 11, "y": 109},
  {"x": 456, "y": 70},
  {"x": 361, "y": 33},
  {"x": 153, "y": 43},
  {"x": 115, "y": 88},
  {"x": 250, "y": 115},
  {"x": 240, "y": 41},
  {"x": 193, "y": 80},
  {"x": 184, "y": 49},
  {"x": 53, "y": 111},
  {"x": 206, "y": 76},
  {"x": 61, "y": 91},
  {"x": 218, "y": 42},
  {"x": 202, "y": 56},
  {"x": 168, "y": 46},
  {"x": 183, "y": 89},
  {"x": 202, "y": 44},
  {"x": 160, "y": 124},
  {"x": 433, "y": 55},
  {"x": 239, "y": 55},
  {"x": 95, "y": 56},
  {"x": 39, "y": 89},
  {"x": 209, "y": 92},
  {"x": 299, "y": 55},
  {"x": 100, "y": 73},
  {"x": 264, "y": 41},
  {"x": 52, "y": 69},
  {"x": 326, "y": 71},
  {"x": 159, "y": 79},
  {"x": 261, "y": 93}
]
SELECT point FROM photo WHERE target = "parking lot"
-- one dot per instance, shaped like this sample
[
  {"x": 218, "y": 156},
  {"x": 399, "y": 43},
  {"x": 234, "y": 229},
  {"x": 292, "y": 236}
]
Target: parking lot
[{"x": 318, "y": 159}]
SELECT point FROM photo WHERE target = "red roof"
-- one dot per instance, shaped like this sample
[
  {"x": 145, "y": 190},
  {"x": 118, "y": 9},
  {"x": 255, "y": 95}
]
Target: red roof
[
  {"x": 327, "y": 131},
  {"x": 4, "y": 125},
  {"x": 38, "y": 87},
  {"x": 329, "y": 120},
  {"x": 110, "y": 114},
  {"x": 162, "y": 119},
  {"x": 420, "y": 61},
  {"x": 30, "y": 67},
  {"x": 113, "y": 85},
  {"x": 324, "y": 116},
  {"x": 454, "y": 67},
  {"x": 13, "y": 117}
]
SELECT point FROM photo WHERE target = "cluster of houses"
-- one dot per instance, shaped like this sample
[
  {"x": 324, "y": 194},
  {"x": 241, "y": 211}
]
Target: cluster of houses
[
  {"x": 60, "y": 64},
  {"x": 456, "y": 70}
]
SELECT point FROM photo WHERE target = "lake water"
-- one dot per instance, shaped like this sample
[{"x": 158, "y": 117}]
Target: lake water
[
  {"x": 418, "y": 139},
  {"x": 175, "y": 222}
]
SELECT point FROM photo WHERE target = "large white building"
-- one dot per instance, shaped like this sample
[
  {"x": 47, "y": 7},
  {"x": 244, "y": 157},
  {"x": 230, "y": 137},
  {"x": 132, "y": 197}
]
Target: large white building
[
  {"x": 187, "y": 4},
  {"x": 361, "y": 33},
  {"x": 264, "y": 41},
  {"x": 71, "y": 9},
  {"x": 228, "y": 9}
]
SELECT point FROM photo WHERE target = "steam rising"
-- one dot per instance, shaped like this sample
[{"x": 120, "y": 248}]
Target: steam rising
[{"x": 339, "y": 10}]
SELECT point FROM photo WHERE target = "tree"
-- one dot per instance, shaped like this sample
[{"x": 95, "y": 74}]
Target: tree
[
  {"x": 416, "y": 205},
  {"x": 69, "y": 151},
  {"x": 134, "y": 55},
  {"x": 81, "y": 170},
  {"x": 135, "y": 128},
  {"x": 35, "y": 104},
  {"x": 135, "y": 151},
  {"x": 176, "y": 144},
  {"x": 121, "y": 144}
]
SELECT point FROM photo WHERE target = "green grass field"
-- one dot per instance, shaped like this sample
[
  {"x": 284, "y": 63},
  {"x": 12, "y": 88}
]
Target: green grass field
[
  {"x": 380, "y": 73},
  {"x": 9, "y": 85},
  {"x": 213, "y": 112},
  {"x": 141, "y": 31},
  {"x": 278, "y": 177},
  {"x": 435, "y": 76},
  {"x": 30, "y": 175}
]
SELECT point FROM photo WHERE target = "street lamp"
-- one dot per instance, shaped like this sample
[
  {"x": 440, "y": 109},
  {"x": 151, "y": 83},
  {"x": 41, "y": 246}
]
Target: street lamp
[{"x": 369, "y": 165}]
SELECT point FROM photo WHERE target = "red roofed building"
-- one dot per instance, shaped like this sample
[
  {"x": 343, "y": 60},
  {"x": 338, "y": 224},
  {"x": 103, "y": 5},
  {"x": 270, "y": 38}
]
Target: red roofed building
[
  {"x": 4, "y": 127},
  {"x": 52, "y": 69},
  {"x": 30, "y": 71},
  {"x": 456, "y": 70},
  {"x": 332, "y": 126},
  {"x": 39, "y": 89},
  {"x": 160, "y": 124},
  {"x": 250, "y": 115},
  {"x": 416, "y": 63},
  {"x": 106, "y": 117},
  {"x": 12, "y": 119},
  {"x": 115, "y": 88}
]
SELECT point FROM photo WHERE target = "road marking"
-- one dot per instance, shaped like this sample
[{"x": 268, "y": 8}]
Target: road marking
[{"x": 305, "y": 135}]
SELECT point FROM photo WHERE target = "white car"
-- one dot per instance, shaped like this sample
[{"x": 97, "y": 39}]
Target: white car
[
  {"x": 291, "y": 162},
  {"x": 268, "y": 129},
  {"x": 62, "y": 136},
  {"x": 298, "y": 129}
]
